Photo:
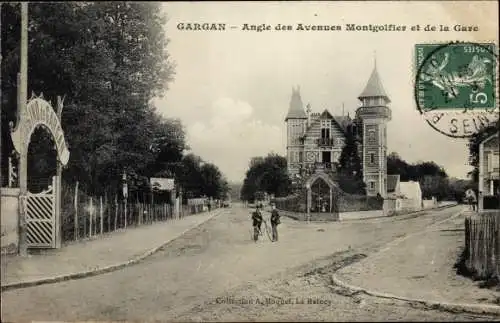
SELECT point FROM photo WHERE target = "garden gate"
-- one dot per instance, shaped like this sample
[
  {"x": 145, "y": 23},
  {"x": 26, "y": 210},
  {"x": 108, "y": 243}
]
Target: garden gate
[{"x": 41, "y": 213}]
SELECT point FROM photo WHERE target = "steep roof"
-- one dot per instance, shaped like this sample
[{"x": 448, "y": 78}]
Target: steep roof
[
  {"x": 341, "y": 121},
  {"x": 489, "y": 138},
  {"x": 392, "y": 183},
  {"x": 374, "y": 87},
  {"x": 296, "y": 110}
]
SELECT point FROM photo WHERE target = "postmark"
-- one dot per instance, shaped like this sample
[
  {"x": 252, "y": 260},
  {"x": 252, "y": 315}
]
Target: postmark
[{"x": 456, "y": 86}]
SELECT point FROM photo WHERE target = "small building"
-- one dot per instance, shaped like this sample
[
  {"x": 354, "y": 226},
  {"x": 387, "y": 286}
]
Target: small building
[
  {"x": 489, "y": 178},
  {"x": 393, "y": 186},
  {"x": 412, "y": 196},
  {"x": 393, "y": 201}
]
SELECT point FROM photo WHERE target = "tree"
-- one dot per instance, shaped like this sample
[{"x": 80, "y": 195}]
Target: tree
[
  {"x": 267, "y": 174},
  {"x": 432, "y": 177},
  {"x": 213, "y": 183},
  {"x": 350, "y": 170},
  {"x": 198, "y": 178},
  {"x": 108, "y": 59}
]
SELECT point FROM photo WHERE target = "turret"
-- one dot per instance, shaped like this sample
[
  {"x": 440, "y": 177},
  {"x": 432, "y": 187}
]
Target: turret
[
  {"x": 374, "y": 114},
  {"x": 296, "y": 121}
]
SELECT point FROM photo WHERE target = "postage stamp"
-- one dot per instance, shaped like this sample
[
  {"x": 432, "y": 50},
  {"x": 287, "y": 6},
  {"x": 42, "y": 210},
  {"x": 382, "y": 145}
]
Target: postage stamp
[
  {"x": 456, "y": 76},
  {"x": 456, "y": 86}
]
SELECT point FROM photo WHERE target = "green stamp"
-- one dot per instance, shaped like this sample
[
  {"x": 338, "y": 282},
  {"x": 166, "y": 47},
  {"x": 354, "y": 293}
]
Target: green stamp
[{"x": 455, "y": 76}]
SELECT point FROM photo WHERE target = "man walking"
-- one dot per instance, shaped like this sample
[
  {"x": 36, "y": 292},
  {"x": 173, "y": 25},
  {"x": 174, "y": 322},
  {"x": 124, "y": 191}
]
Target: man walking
[
  {"x": 256, "y": 222},
  {"x": 275, "y": 220}
]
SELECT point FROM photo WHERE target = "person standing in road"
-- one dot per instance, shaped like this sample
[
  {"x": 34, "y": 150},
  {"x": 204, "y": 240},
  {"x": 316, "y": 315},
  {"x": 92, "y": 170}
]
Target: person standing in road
[
  {"x": 275, "y": 220},
  {"x": 256, "y": 222},
  {"x": 471, "y": 199}
]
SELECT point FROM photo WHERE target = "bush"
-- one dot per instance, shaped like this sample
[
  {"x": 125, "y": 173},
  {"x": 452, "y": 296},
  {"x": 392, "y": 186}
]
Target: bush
[{"x": 342, "y": 202}]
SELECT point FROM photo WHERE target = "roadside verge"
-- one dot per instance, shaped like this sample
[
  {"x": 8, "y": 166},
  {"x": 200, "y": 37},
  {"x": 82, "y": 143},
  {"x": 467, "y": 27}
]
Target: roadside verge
[
  {"x": 418, "y": 270},
  {"x": 106, "y": 269}
]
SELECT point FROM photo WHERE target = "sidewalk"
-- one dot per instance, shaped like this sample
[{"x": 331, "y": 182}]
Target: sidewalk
[
  {"x": 421, "y": 267},
  {"x": 109, "y": 250}
]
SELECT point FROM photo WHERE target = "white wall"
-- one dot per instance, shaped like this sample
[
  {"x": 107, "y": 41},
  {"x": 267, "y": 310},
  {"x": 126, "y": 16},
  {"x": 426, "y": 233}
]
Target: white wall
[{"x": 9, "y": 219}]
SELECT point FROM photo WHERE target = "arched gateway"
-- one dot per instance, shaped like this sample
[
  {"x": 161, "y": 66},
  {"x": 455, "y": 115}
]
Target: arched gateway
[
  {"x": 321, "y": 194},
  {"x": 39, "y": 213}
]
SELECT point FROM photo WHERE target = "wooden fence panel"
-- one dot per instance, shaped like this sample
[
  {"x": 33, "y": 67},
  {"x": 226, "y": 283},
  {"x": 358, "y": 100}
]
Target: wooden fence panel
[
  {"x": 86, "y": 217},
  {"x": 482, "y": 245}
]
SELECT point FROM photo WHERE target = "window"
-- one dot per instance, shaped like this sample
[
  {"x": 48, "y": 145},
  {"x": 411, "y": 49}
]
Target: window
[
  {"x": 371, "y": 135},
  {"x": 372, "y": 185},
  {"x": 325, "y": 128},
  {"x": 301, "y": 156},
  {"x": 372, "y": 158},
  {"x": 493, "y": 161}
]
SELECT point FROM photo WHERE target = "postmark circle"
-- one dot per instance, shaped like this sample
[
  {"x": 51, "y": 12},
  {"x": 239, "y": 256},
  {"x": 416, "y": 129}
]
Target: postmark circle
[{"x": 456, "y": 87}]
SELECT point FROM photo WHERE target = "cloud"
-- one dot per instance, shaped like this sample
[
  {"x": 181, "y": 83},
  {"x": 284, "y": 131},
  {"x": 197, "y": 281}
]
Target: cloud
[
  {"x": 232, "y": 88},
  {"x": 232, "y": 135}
]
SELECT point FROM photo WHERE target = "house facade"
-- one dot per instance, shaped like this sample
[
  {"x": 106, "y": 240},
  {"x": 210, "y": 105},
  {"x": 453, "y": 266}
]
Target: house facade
[
  {"x": 315, "y": 140},
  {"x": 489, "y": 179}
]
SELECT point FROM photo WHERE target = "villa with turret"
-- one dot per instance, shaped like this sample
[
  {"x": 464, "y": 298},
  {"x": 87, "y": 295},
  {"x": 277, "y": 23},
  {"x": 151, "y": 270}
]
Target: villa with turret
[{"x": 315, "y": 140}]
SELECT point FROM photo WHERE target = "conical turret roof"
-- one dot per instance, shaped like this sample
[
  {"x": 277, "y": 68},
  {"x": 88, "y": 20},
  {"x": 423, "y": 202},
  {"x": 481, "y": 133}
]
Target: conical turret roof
[
  {"x": 374, "y": 87},
  {"x": 296, "y": 110}
]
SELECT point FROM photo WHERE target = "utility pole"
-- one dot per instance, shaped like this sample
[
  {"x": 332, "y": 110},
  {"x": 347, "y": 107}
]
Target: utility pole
[
  {"x": 22, "y": 97},
  {"x": 1, "y": 178}
]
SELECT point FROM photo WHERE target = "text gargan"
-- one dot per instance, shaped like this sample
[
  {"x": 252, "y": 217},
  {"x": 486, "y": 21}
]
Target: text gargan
[{"x": 201, "y": 27}]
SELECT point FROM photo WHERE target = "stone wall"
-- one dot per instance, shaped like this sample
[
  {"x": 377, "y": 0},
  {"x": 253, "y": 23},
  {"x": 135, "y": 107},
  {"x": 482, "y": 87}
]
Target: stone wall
[{"x": 9, "y": 219}]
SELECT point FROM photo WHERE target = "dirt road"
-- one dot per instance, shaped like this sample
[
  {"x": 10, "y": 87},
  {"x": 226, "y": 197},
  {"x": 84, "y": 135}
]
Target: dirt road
[{"x": 217, "y": 273}]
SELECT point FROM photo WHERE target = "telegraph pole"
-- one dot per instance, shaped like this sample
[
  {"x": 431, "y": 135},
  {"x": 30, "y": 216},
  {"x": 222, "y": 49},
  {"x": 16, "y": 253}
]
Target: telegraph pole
[
  {"x": 1, "y": 178},
  {"x": 22, "y": 97}
]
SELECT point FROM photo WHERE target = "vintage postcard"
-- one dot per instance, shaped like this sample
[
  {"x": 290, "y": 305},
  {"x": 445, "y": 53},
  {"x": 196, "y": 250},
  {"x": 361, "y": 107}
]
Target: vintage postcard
[{"x": 250, "y": 161}]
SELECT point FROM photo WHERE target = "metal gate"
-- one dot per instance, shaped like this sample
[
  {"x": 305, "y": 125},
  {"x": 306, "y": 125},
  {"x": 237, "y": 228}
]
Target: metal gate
[{"x": 41, "y": 213}]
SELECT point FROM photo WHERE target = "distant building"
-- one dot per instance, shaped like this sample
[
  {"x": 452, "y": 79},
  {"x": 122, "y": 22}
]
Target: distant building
[
  {"x": 393, "y": 186},
  {"x": 489, "y": 178},
  {"x": 411, "y": 196},
  {"x": 315, "y": 140}
]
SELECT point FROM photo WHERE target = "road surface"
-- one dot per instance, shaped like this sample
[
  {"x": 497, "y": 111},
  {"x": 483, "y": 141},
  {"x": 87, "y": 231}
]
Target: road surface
[{"x": 216, "y": 272}]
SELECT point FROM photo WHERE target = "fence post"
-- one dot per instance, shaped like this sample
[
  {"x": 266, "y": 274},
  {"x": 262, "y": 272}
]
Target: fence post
[
  {"x": 497, "y": 247},
  {"x": 107, "y": 210},
  {"x": 116, "y": 210},
  {"x": 91, "y": 211},
  {"x": 100, "y": 213},
  {"x": 125, "y": 212},
  {"x": 76, "y": 224},
  {"x": 141, "y": 213}
]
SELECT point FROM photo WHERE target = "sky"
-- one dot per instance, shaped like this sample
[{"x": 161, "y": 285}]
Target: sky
[{"x": 232, "y": 88}]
